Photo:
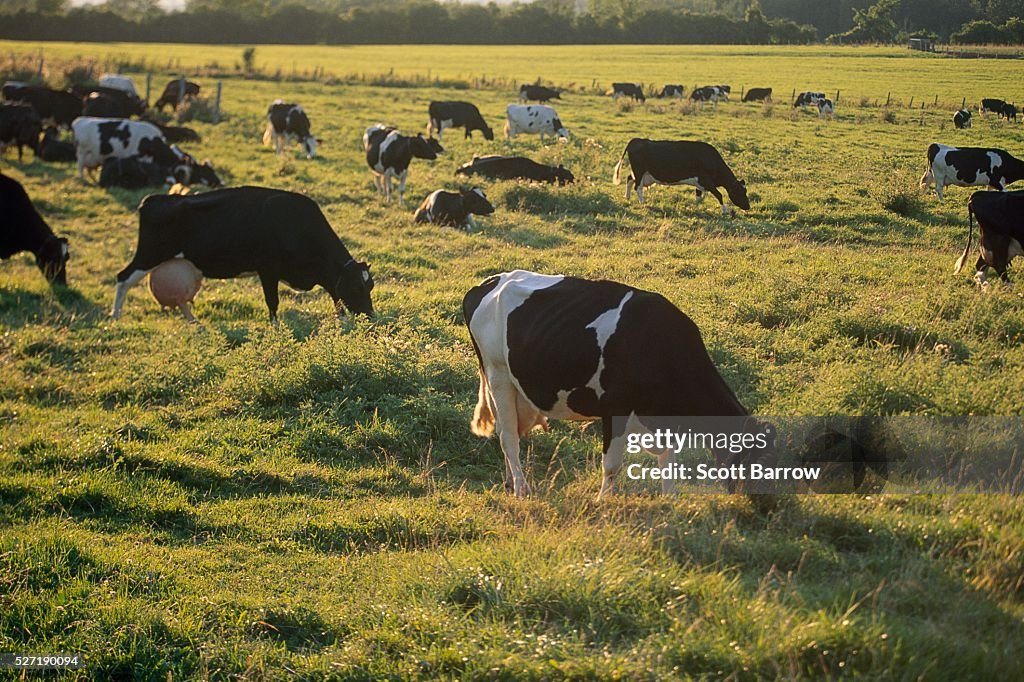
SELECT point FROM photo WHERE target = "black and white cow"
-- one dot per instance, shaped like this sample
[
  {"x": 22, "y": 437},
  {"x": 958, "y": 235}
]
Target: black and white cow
[
  {"x": 825, "y": 108},
  {"x": 1009, "y": 112},
  {"x": 537, "y": 93},
  {"x": 672, "y": 91},
  {"x": 808, "y": 99},
  {"x": 19, "y": 126},
  {"x": 515, "y": 168},
  {"x": 962, "y": 119},
  {"x": 97, "y": 139},
  {"x": 708, "y": 93},
  {"x": 555, "y": 347},
  {"x": 758, "y": 95},
  {"x": 175, "y": 93},
  {"x": 281, "y": 236},
  {"x": 680, "y": 163},
  {"x": 454, "y": 209},
  {"x": 287, "y": 122},
  {"x": 970, "y": 167},
  {"x": 993, "y": 105},
  {"x": 174, "y": 167},
  {"x": 115, "y": 81},
  {"x": 1000, "y": 232},
  {"x": 25, "y": 230},
  {"x": 533, "y": 119},
  {"x": 175, "y": 133},
  {"x": 456, "y": 115},
  {"x": 51, "y": 105},
  {"x": 389, "y": 153},
  {"x": 52, "y": 148},
  {"x": 632, "y": 90}
]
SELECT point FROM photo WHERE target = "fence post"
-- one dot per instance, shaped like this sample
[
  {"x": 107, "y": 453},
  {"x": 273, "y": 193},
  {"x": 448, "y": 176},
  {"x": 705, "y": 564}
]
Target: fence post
[
  {"x": 911, "y": 105},
  {"x": 963, "y": 102},
  {"x": 936, "y": 103},
  {"x": 792, "y": 98},
  {"x": 39, "y": 69},
  {"x": 216, "y": 103},
  {"x": 181, "y": 91},
  {"x": 837, "y": 97},
  {"x": 887, "y": 98},
  {"x": 149, "y": 83}
]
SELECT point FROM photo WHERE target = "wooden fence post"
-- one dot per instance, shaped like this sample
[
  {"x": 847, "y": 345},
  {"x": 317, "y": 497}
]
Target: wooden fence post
[
  {"x": 911, "y": 105},
  {"x": 149, "y": 84},
  {"x": 216, "y": 103},
  {"x": 963, "y": 103},
  {"x": 887, "y": 98},
  {"x": 181, "y": 91},
  {"x": 837, "y": 97}
]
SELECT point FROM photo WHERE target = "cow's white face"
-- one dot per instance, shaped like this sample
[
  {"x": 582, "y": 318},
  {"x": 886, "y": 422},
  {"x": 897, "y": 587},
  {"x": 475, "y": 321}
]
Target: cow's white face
[{"x": 309, "y": 144}]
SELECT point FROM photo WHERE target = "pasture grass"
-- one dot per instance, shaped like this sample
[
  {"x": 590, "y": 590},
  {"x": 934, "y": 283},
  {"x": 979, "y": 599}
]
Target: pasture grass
[{"x": 237, "y": 501}]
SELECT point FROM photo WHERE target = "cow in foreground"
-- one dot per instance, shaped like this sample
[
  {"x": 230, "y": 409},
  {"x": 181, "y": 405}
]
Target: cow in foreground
[
  {"x": 758, "y": 95},
  {"x": 454, "y": 209},
  {"x": 60, "y": 108},
  {"x": 281, "y": 236},
  {"x": 19, "y": 126},
  {"x": 25, "y": 230},
  {"x": 962, "y": 119},
  {"x": 287, "y": 123},
  {"x": 177, "y": 92},
  {"x": 537, "y": 93},
  {"x": 632, "y": 90},
  {"x": 672, "y": 91},
  {"x": 456, "y": 115},
  {"x": 533, "y": 119},
  {"x": 555, "y": 347},
  {"x": 515, "y": 168},
  {"x": 970, "y": 167},
  {"x": 680, "y": 163},
  {"x": 1000, "y": 232},
  {"x": 389, "y": 153}
]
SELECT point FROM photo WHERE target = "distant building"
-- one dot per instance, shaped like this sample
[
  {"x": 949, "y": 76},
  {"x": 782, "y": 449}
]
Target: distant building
[{"x": 922, "y": 44}]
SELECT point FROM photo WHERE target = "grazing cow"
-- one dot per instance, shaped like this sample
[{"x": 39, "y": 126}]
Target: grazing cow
[
  {"x": 758, "y": 95},
  {"x": 708, "y": 93},
  {"x": 456, "y": 115},
  {"x": 537, "y": 93},
  {"x": 52, "y": 148},
  {"x": 135, "y": 173},
  {"x": 970, "y": 167},
  {"x": 51, "y": 105},
  {"x": 672, "y": 91},
  {"x": 129, "y": 103},
  {"x": 534, "y": 119},
  {"x": 19, "y": 125},
  {"x": 454, "y": 209},
  {"x": 825, "y": 108},
  {"x": 100, "y": 105},
  {"x": 555, "y": 347},
  {"x": 174, "y": 95},
  {"x": 1000, "y": 232},
  {"x": 808, "y": 99},
  {"x": 25, "y": 230},
  {"x": 175, "y": 133},
  {"x": 286, "y": 123},
  {"x": 992, "y": 104},
  {"x": 962, "y": 119},
  {"x": 97, "y": 139},
  {"x": 1009, "y": 112},
  {"x": 633, "y": 90},
  {"x": 680, "y": 163},
  {"x": 227, "y": 233},
  {"x": 189, "y": 171},
  {"x": 389, "y": 153},
  {"x": 515, "y": 168}
]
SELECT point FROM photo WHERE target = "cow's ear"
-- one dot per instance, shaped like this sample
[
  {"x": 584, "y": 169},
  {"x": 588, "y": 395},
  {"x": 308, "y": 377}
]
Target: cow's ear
[{"x": 561, "y": 167}]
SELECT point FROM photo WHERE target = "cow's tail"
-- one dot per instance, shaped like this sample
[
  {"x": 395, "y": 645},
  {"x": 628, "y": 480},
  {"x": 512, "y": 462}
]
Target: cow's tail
[
  {"x": 268, "y": 134},
  {"x": 970, "y": 233},
  {"x": 617, "y": 175},
  {"x": 483, "y": 415}
]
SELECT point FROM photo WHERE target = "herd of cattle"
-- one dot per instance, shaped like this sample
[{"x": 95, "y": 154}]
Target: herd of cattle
[{"x": 584, "y": 369}]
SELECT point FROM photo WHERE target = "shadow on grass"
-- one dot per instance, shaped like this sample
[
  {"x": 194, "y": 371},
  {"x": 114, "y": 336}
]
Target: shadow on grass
[{"x": 19, "y": 307}]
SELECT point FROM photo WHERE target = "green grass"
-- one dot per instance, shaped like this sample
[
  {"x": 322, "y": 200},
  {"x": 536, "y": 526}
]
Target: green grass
[{"x": 237, "y": 501}]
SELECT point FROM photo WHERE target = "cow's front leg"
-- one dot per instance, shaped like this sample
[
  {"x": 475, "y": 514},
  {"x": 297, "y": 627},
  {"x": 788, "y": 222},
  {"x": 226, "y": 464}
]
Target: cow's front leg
[
  {"x": 186, "y": 312},
  {"x": 611, "y": 459},
  {"x": 401, "y": 186},
  {"x": 666, "y": 458},
  {"x": 270, "y": 293},
  {"x": 126, "y": 279}
]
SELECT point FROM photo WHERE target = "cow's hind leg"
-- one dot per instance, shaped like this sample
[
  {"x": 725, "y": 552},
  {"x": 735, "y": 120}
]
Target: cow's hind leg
[
  {"x": 270, "y": 293},
  {"x": 504, "y": 394},
  {"x": 614, "y": 441},
  {"x": 401, "y": 186}
]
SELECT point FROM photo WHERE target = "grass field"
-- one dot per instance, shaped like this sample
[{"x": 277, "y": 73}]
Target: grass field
[{"x": 237, "y": 501}]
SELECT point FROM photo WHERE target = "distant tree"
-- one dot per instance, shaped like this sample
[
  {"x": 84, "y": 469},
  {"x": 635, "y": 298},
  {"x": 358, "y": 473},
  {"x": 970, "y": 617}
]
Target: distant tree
[
  {"x": 134, "y": 10},
  {"x": 981, "y": 32},
  {"x": 876, "y": 24}
]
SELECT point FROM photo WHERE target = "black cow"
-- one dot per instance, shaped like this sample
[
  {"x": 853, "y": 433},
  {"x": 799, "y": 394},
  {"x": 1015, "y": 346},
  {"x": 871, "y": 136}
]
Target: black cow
[
  {"x": 51, "y": 105},
  {"x": 808, "y": 99},
  {"x": 1000, "y": 231},
  {"x": 537, "y": 93},
  {"x": 454, "y": 209},
  {"x": 25, "y": 230},
  {"x": 102, "y": 105},
  {"x": 226, "y": 233},
  {"x": 633, "y": 90},
  {"x": 515, "y": 168},
  {"x": 287, "y": 122},
  {"x": 680, "y": 163},
  {"x": 174, "y": 96},
  {"x": 566, "y": 348},
  {"x": 970, "y": 167},
  {"x": 992, "y": 104},
  {"x": 672, "y": 91},
  {"x": 962, "y": 119},
  {"x": 389, "y": 153},
  {"x": 19, "y": 125},
  {"x": 52, "y": 148},
  {"x": 135, "y": 172},
  {"x": 457, "y": 115},
  {"x": 758, "y": 95},
  {"x": 175, "y": 133},
  {"x": 1009, "y": 112},
  {"x": 127, "y": 102}
]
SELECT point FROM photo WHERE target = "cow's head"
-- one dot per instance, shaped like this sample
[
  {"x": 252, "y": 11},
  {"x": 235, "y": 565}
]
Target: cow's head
[
  {"x": 475, "y": 201},
  {"x": 52, "y": 259},
  {"x": 562, "y": 175},
  {"x": 738, "y": 194},
  {"x": 205, "y": 174},
  {"x": 353, "y": 288},
  {"x": 559, "y": 129},
  {"x": 425, "y": 148},
  {"x": 487, "y": 131}
]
